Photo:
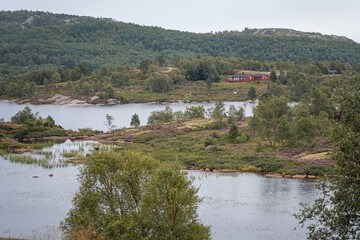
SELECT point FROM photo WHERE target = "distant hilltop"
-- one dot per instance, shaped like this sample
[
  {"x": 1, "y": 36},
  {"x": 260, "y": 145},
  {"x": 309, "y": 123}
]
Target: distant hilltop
[
  {"x": 34, "y": 39},
  {"x": 294, "y": 33}
]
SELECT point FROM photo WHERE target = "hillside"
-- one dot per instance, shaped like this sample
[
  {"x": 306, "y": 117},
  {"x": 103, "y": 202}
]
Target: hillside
[
  {"x": 32, "y": 39},
  {"x": 294, "y": 33}
]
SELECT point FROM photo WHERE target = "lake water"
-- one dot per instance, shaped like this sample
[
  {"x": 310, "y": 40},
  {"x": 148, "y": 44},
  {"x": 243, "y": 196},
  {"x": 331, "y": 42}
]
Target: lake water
[
  {"x": 235, "y": 205},
  {"x": 75, "y": 117}
]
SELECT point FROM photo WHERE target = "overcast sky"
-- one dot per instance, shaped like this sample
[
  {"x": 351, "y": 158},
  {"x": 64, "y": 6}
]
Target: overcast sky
[{"x": 338, "y": 17}]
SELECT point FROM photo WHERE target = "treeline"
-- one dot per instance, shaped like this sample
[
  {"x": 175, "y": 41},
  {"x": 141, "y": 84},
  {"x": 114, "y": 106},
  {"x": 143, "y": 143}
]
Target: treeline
[
  {"x": 278, "y": 122},
  {"x": 95, "y": 42},
  {"x": 295, "y": 80},
  {"x": 29, "y": 126}
]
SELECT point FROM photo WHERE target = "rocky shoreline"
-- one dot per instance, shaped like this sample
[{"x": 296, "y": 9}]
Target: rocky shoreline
[{"x": 62, "y": 100}]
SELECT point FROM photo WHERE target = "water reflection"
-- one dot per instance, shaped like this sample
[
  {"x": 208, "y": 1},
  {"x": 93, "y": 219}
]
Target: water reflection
[
  {"x": 57, "y": 154},
  {"x": 251, "y": 206},
  {"x": 235, "y": 205}
]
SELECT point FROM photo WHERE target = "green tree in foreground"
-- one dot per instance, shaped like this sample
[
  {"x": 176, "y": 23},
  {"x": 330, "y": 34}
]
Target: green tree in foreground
[
  {"x": 126, "y": 195},
  {"x": 135, "y": 121},
  {"x": 336, "y": 215}
]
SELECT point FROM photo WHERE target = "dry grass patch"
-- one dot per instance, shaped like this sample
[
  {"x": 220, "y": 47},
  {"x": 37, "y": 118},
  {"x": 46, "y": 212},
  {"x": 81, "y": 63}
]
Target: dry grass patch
[{"x": 316, "y": 156}]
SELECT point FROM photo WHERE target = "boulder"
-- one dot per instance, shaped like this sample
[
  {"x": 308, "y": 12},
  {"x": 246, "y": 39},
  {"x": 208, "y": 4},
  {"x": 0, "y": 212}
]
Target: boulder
[
  {"x": 299, "y": 176},
  {"x": 207, "y": 170},
  {"x": 278, "y": 175},
  {"x": 23, "y": 150},
  {"x": 51, "y": 175}
]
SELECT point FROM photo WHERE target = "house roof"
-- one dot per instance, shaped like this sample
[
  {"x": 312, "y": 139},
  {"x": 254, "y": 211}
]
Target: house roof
[
  {"x": 259, "y": 75},
  {"x": 241, "y": 75}
]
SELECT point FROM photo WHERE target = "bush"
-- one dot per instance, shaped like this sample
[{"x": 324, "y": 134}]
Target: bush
[
  {"x": 209, "y": 141},
  {"x": 161, "y": 116},
  {"x": 216, "y": 125},
  {"x": 159, "y": 83},
  {"x": 194, "y": 112},
  {"x": 215, "y": 135}
]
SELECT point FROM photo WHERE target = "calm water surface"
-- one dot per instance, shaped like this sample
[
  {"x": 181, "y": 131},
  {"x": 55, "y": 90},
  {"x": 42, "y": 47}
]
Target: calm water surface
[
  {"x": 75, "y": 117},
  {"x": 236, "y": 206}
]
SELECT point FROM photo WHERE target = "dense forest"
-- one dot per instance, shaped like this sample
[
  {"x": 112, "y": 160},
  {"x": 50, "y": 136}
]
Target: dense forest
[{"x": 40, "y": 39}]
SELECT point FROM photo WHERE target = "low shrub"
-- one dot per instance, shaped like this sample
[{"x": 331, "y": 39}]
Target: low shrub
[{"x": 216, "y": 125}]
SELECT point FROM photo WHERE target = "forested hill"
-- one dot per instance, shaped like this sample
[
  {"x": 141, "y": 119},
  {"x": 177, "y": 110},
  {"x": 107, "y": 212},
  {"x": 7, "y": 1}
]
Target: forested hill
[{"x": 32, "y": 39}]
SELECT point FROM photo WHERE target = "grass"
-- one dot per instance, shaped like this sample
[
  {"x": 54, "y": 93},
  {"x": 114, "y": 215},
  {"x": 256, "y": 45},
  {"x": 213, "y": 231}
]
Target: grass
[
  {"x": 316, "y": 156},
  {"x": 53, "y": 155},
  {"x": 194, "y": 145},
  {"x": 31, "y": 160},
  {"x": 69, "y": 154}
]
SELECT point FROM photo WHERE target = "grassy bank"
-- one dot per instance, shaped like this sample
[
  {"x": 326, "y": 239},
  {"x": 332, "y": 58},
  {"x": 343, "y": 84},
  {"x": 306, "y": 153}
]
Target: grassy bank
[
  {"x": 196, "y": 146},
  {"x": 201, "y": 144}
]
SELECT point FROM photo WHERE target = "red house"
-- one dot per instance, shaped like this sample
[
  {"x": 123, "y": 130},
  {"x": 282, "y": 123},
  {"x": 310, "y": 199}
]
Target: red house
[
  {"x": 261, "y": 77},
  {"x": 241, "y": 78}
]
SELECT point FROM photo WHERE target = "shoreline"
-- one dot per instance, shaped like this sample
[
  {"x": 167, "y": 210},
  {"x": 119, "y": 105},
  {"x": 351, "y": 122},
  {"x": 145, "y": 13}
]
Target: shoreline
[{"x": 82, "y": 104}]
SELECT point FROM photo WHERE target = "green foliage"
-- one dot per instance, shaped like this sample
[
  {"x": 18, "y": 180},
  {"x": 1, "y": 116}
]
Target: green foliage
[
  {"x": 216, "y": 125},
  {"x": 131, "y": 196},
  {"x": 161, "y": 61},
  {"x": 120, "y": 79},
  {"x": 267, "y": 117},
  {"x": 285, "y": 132},
  {"x": 25, "y": 116},
  {"x": 215, "y": 135},
  {"x": 209, "y": 141},
  {"x": 194, "y": 112},
  {"x": 35, "y": 126},
  {"x": 159, "y": 83},
  {"x": 335, "y": 215},
  {"x": 252, "y": 92},
  {"x": 95, "y": 42},
  {"x": 135, "y": 121},
  {"x": 217, "y": 112},
  {"x": 37, "y": 131},
  {"x": 109, "y": 91},
  {"x": 272, "y": 76},
  {"x": 161, "y": 116},
  {"x": 233, "y": 132},
  {"x": 235, "y": 114},
  {"x": 178, "y": 116}
]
